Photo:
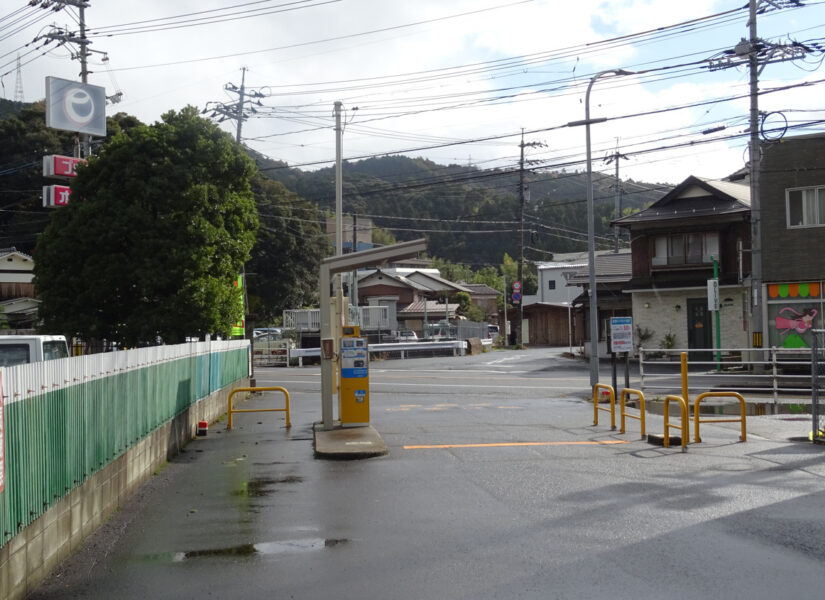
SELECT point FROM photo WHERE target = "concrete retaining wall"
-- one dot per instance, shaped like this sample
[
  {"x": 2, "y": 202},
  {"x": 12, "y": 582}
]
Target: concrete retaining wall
[{"x": 29, "y": 556}]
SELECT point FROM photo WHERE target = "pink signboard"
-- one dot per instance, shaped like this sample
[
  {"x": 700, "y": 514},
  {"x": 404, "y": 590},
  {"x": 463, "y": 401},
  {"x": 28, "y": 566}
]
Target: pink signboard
[
  {"x": 56, "y": 195},
  {"x": 55, "y": 165}
]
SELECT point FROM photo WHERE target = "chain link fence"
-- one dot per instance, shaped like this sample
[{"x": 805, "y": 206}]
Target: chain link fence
[{"x": 818, "y": 385}]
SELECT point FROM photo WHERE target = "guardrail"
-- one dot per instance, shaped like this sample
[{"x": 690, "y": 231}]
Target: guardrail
[
  {"x": 685, "y": 421},
  {"x": 457, "y": 346},
  {"x": 597, "y": 408},
  {"x": 742, "y": 418},
  {"x": 230, "y": 411},
  {"x": 625, "y": 393},
  {"x": 778, "y": 374}
]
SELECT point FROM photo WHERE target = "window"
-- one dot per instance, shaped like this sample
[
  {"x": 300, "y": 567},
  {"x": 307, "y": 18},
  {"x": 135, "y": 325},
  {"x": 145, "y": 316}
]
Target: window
[
  {"x": 685, "y": 249},
  {"x": 551, "y": 284},
  {"x": 805, "y": 207}
]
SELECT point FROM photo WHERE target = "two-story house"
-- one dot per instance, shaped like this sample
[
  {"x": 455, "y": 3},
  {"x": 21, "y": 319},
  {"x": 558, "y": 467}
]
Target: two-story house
[
  {"x": 675, "y": 243},
  {"x": 792, "y": 202}
]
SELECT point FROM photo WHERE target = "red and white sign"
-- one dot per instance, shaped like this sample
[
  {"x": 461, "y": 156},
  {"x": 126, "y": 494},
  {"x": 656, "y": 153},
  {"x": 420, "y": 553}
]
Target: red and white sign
[
  {"x": 516, "y": 286},
  {"x": 56, "y": 195},
  {"x": 2, "y": 441},
  {"x": 55, "y": 165}
]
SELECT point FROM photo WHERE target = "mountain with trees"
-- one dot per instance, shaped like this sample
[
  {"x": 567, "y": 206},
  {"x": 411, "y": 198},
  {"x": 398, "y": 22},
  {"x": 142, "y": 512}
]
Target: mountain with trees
[{"x": 468, "y": 215}]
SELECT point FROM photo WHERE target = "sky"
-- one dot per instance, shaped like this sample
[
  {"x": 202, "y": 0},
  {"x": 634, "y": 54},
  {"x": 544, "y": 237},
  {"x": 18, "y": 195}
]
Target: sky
[{"x": 452, "y": 81}]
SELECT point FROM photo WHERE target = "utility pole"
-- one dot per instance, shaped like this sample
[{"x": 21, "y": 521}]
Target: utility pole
[
  {"x": 84, "y": 148},
  {"x": 618, "y": 197},
  {"x": 756, "y": 54},
  {"x": 236, "y": 111},
  {"x": 521, "y": 195},
  {"x": 339, "y": 180},
  {"x": 755, "y": 160}
]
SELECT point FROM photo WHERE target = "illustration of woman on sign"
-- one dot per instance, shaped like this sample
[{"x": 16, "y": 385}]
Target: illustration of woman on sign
[{"x": 788, "y": 320}]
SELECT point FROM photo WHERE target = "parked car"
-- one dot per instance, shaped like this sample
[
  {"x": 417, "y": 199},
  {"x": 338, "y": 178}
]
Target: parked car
[
  {"x": 406, "y": 335},
  {"x": 492, "y": 332}
]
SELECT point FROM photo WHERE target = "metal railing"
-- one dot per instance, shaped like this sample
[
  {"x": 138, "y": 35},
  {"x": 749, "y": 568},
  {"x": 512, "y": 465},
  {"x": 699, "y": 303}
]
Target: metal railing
[
  {"x": 68, "y": 418},
  {"x": 369, "y": 318},
  {"x": 231, "y": 410},
  {"x": 642, "y": 412},
  {"x": 818, "y": 386},
  {"x": 779, "y": 375},
  {"x": 392, "y": 350},
  {"x": 609, "y": 391},
  {"x": 685, "y": 420},
  {"x": 742, "y": 416}
]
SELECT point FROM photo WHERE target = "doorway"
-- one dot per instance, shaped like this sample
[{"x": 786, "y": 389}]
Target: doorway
[{"x": 700, "y": 328}]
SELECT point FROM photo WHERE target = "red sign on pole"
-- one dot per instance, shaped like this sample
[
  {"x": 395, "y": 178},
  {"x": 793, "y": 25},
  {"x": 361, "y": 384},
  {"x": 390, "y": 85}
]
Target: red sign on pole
[
  {"x": 516, "y": 286},
  {"x": 56, "y": 195},
  {"x": 55, "y": 165}
]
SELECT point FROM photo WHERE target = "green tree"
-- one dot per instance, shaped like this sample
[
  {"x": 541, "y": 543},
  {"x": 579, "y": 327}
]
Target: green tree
[
  {"x": 283, "y": 270},
  {"x": 26, "y": 139},
  {"x": 160, "y": 224}
]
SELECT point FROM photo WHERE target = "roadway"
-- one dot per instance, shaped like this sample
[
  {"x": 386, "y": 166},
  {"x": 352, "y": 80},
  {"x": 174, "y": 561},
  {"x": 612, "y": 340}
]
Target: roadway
[{"x": 497, "y": 485}]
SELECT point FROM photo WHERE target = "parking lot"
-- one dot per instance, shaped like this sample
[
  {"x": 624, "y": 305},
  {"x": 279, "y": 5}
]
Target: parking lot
[{"x": 496, "y": 485}]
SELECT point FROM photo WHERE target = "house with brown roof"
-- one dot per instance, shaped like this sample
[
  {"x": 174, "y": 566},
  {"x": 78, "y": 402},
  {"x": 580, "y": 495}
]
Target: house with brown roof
[
  {"x": 675, "y": 243},
  {"x": 415, "y": 297}
]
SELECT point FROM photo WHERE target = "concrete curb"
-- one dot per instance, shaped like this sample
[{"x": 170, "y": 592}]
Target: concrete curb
[{"x": 348, "y": 443}]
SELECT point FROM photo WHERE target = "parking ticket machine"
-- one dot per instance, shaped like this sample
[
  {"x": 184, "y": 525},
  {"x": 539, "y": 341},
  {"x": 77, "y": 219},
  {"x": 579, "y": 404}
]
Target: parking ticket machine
[{"x": 354, "y": 389}]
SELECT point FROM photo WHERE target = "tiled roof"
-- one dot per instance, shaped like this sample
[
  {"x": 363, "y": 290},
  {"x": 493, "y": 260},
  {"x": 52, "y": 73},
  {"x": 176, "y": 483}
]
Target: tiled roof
[
  {"x": 610, "y": 268},
  {"x": 695, "y": 198},
  {"x": 434, "y": 309},
  {"x": 481, "y": 289}
]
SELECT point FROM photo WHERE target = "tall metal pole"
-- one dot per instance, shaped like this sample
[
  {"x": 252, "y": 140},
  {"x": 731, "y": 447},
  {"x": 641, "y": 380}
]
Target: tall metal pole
[
  {"x": 519, "y": 341},
  {"x": 591, "y": 247},
  {"x": 755, "y": 165},
  {"x": 339, "y": 182},
  {"x": 591, "y": 226}
]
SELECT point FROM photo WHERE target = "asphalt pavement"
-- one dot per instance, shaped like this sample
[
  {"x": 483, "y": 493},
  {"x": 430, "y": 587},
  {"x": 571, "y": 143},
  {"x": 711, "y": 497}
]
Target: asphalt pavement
[{"x": 495, "y": 484}]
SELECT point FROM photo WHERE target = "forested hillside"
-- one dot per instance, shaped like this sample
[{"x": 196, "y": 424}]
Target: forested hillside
[{"x": 468, "y": 215}]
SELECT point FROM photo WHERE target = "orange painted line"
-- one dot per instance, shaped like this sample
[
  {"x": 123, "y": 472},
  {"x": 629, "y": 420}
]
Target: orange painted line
[{"x": 504, "y": 444}]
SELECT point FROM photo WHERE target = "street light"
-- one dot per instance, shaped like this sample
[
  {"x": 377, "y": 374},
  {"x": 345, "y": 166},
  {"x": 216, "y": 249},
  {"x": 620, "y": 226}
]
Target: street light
[{"x": 591, "y": 233}]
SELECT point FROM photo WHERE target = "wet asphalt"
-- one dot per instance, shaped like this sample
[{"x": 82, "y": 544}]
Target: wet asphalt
[{"x": 497, "y": 485}]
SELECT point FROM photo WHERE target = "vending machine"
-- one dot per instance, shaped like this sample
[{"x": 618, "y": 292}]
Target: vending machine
[{"x": 354, "y": 389}]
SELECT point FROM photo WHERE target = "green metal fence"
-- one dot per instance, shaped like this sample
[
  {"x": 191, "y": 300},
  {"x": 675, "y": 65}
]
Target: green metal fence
[{"x": 66, "y": 419}]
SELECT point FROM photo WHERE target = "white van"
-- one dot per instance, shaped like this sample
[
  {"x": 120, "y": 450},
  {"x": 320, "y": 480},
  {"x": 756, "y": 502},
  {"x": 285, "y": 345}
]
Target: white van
[{"x": 22, "y": 349}]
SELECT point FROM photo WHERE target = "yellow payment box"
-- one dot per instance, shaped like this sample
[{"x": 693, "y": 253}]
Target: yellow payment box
[{"x": 354, "y": 390}]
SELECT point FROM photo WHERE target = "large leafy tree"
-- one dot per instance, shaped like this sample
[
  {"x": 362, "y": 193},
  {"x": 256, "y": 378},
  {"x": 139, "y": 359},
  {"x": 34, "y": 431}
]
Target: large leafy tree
[
  {"x": 26, "y": 139},
  {"x": 160, "y": 223},
  {"x": 283, "y": 270}
]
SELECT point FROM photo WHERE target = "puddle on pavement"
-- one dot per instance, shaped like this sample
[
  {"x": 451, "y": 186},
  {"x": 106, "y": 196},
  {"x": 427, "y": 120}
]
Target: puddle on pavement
[
  {"x": 263, "y": 486},
  {"x": 263, "y": 549}
]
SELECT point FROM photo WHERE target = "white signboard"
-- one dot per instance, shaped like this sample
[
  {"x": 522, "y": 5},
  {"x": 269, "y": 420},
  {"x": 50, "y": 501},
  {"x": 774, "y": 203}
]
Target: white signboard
[
  {"x": 75, "y": 106},
  {"x": 713, "y": 294},
  {"x": 621, "y": 334}
]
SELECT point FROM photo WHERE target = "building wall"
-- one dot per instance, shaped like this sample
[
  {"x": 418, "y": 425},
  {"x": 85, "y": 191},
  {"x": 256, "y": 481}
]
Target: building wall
[
  {"x": 405, "y": 295},
  {"x": 549, "y": 326},
  {"x": 657, "y": 312},
  {"x": 787, "y": 253}
]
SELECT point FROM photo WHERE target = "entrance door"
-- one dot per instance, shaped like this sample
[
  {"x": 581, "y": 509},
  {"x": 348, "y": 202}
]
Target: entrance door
[{"x": 700, "y": 329}]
